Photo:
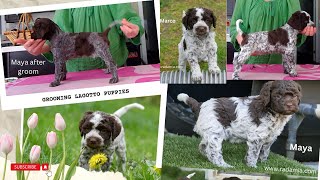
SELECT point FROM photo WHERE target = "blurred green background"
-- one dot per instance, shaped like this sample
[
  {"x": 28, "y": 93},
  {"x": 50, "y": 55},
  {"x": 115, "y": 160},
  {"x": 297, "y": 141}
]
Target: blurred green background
[
  {"x": 171, "y": 33},
  {"x": 141, "y": 128}
]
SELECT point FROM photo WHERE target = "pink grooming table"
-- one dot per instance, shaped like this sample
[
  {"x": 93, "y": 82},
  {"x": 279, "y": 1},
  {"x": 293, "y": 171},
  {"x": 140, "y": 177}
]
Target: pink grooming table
[
  {"x": 84, "y": 79},
  {"x": 275, "y": 72}
]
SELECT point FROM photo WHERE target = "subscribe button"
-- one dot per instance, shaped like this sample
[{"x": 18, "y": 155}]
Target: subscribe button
[{"x": 28, "y": 167}]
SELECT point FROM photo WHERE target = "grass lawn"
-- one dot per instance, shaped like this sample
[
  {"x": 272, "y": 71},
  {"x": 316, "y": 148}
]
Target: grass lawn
[
  {"x": 182, "y": 151},
  {"x": 141, "y": 132},
  {"x": 174, "y": 173},
  {"x": 171, "y": 33}
]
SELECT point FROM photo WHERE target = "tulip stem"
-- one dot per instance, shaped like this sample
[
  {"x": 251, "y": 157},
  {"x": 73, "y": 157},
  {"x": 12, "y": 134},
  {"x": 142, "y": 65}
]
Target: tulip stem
[
  {"x": 5, "y": 167},
  {"x": 24, "y": 145},
  {"x": 27, "y": 175},
  {"x": 50, "y": 161},
  {"x": 64, "y": 152}
]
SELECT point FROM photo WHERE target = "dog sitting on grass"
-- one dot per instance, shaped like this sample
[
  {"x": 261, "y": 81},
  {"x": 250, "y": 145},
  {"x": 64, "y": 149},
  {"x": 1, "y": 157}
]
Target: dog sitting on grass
[{"x": 103, "y": 133}]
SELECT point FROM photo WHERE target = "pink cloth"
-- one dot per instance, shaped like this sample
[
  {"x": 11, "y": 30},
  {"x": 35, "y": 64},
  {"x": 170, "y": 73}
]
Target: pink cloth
[
  {"x": 275, "y": 72},
  {"x": 84, "y": 79}
]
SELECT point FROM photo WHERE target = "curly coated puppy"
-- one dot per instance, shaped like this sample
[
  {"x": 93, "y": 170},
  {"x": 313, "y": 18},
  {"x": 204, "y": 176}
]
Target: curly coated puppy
[
  {"x": 281, "y": 41},
  {"x": 104, "y": 133},
  {"x": 198, "y": 42},
  {"x": 65, "y": 46},
  {"x": 256, "y": 120}
]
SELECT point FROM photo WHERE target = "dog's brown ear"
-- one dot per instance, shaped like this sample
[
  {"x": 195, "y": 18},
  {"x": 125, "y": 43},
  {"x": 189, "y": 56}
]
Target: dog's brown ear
[
  {"x": 185, "y": 19},
  {"x": 265, "y": 93},
  {"x": 214, "y": 18},
  {"x": 116, "y": 129},
  {"x": 85, "y": 117}
]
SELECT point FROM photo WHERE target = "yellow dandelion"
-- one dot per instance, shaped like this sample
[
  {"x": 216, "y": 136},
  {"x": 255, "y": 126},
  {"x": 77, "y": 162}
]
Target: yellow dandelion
[{"x": 97, "y": 160}]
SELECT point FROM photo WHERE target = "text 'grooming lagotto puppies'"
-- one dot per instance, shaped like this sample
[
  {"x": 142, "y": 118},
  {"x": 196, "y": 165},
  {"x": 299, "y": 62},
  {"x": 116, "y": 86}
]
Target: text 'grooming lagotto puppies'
[
  {"x": 256, "y": 120},
  {"x": 65, "y": 46},
  {"x": 104, "y": 133},
  {"x": 280, "y": 41},
  {"x": 198, "y": 42}
]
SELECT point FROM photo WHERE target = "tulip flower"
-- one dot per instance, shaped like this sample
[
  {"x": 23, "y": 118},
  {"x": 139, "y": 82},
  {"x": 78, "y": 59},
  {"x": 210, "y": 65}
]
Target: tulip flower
[
  {"x": 51, "y": 142},
  {"x": 6, "y": 146},
  {"x": 59, "y": 123},
  {"x": 33, "y": 121},
  {"x": 52, "y": 139},
  {"x": 35, "y": 153}
]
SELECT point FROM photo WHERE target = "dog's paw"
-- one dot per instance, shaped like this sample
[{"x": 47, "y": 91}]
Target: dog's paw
[
  {"x": 196, "y": 77},
  {"x": 236, "y": 78},
  {"x": 54, "y": 84},
  {"x": 214, "y": 70},
  {"x": 293, "y": 73},
  {"x": 107, "y": 71},
  {"x": 114, "y": 80},
  {"x": 252, "y": 165}
]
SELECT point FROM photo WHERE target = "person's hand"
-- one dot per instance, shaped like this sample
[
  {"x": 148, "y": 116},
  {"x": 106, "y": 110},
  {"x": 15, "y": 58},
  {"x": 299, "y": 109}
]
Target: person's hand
[
  {"x": 129, "y": 30},
  {"x": 239, "y": 38},
  {"x": 309, "y": 31},
  {"x": 34, "y": 47}
]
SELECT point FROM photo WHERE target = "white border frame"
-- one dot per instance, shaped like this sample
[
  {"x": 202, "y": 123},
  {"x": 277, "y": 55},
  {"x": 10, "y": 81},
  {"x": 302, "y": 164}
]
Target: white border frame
[
  {"x": 34, "y": 100},
  {"x": 158, "y": 89}
]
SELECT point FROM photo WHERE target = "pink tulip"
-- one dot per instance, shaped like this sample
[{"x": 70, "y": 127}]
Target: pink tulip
[
  {"x": 52, "y": 139},
  {"x": 33, "y": 121},
  {"x": 59, "y": 123},
  {"x": 35, "y": 153},
  {"x": 6, "y": 144}
]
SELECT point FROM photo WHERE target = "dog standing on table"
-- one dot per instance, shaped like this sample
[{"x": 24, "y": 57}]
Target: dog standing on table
[
  {"x": 281, "y": 41},
  {"x": 65, "y": 46},
  {"x": 256, "y": 120},
  {"x": 104, "y": 133},
  {"x": 198, "y": 42}
]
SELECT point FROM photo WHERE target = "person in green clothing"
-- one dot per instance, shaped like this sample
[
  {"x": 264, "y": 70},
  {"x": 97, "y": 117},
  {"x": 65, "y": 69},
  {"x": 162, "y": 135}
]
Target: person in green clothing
[
  {"x": 94, "y": 19},
  {"x": 264, "y": 15}
]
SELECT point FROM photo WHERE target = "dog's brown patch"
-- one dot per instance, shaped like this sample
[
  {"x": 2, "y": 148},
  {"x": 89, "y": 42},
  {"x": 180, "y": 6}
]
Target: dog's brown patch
[
  {"x": 278, "y": 36},
  {"x": 226, "y": 111},
  {"x": 85, "y": 125},
  {"x": 82, "y": 45},
  {"x": 244, "y": 39}
]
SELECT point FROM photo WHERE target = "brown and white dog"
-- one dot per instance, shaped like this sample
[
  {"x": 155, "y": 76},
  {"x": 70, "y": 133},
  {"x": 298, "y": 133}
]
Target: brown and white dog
[
  {"x": 198, "y": 42},
  {"x": 280, "y": 41},
  {"x": 256, "y": 120},
  {"x": 103, "y": 133},
  {"x": 66, "y": 46}
]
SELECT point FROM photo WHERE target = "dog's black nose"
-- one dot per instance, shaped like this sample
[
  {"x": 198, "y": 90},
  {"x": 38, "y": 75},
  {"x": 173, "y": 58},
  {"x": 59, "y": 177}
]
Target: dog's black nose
[
  {"x": 93, "y": 142},
  {"x": 201, "y": 29}
]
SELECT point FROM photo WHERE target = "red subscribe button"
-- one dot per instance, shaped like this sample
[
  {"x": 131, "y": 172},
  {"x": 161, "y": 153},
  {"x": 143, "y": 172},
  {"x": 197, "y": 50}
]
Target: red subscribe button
[{"x": 25, "y": 167}]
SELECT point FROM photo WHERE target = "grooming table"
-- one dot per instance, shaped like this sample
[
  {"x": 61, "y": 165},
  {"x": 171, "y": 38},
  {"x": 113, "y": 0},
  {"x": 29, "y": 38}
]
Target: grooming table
[
  {"x": 275, "y": 72},
  {"x": 84, "y": 79}
]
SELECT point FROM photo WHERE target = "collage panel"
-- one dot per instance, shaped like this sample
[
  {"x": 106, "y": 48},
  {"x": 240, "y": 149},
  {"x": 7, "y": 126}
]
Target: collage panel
[
  {"x": 114, "y": 56},
  {"x": 273, "y": 40},
  {"x": 192, "y": 46},
  {"x": 105, "y": 139},
  {"x": 244, "y": 127}
]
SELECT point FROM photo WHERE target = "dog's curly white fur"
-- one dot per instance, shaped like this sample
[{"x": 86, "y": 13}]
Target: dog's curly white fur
[
  {"x": 256, "y": 120},
  {"x": 198, "y": 42},
  {"x": 104, "y": 133}
]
